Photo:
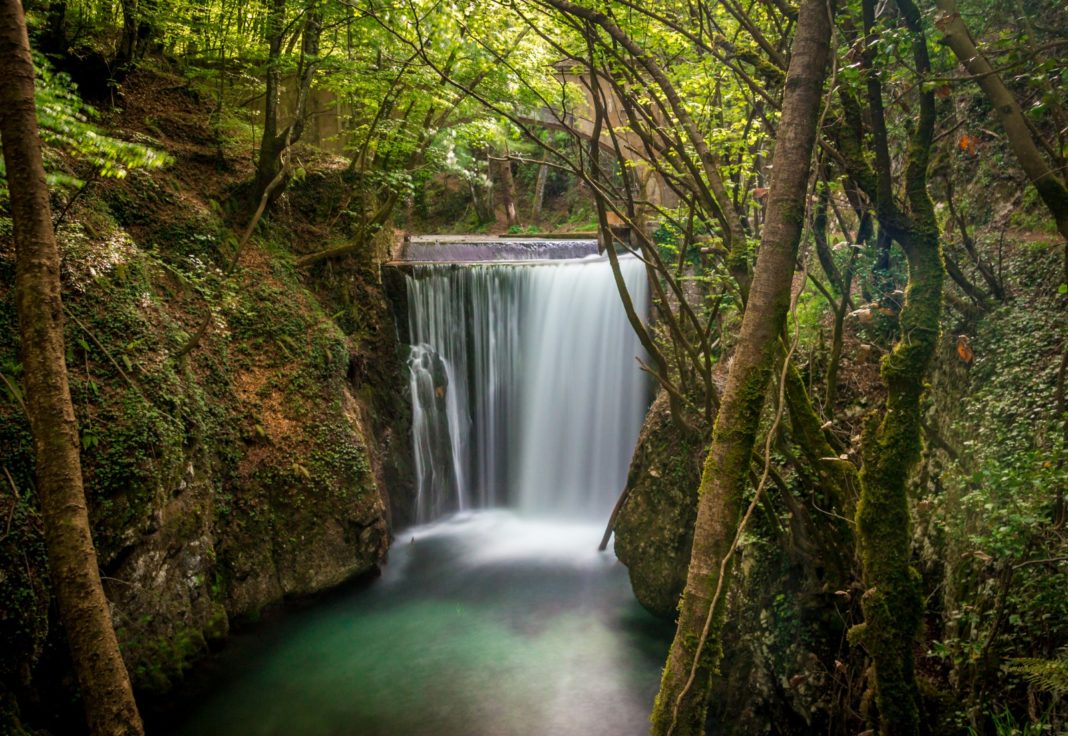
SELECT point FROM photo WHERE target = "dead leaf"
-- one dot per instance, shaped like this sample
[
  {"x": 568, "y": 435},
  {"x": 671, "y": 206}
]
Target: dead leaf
[{"x": 964, "y": 349}]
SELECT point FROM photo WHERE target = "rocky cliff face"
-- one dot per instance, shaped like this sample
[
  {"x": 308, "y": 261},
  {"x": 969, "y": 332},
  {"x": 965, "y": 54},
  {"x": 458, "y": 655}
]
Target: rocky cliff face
[{"x": 261, "y": 466}]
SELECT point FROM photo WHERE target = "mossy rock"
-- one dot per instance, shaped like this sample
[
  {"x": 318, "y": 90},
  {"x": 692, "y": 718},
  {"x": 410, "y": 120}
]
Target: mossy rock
[{"x": 654, "y": 528}]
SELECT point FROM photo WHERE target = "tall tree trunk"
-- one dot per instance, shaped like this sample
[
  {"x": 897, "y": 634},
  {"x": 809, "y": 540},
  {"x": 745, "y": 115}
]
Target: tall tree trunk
[
  {"x": 508, "y": 193},
  {"x": 695, "y": 653},
  {"x": 275, "y": 141},
  {"x": 482, "y": 193},
  {"x": 266, "y": 164},
  {"x": 539, "y": 190},
  {"x": 128, "y": 41},
  {"x": 83, "y": 609},
  {"x": 892, "y": 601},
  {"x": 139, "y": 29},
  {"x": 53, "y": 39}
]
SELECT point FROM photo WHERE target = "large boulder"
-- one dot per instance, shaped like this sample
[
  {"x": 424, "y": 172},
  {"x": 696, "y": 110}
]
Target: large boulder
[{"x": 654, "y": 527}]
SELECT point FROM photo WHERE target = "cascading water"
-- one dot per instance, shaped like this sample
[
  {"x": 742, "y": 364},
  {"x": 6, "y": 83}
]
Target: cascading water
[
  {"x": 526, "y": 394},
  {"x": 526, "y": 390}
]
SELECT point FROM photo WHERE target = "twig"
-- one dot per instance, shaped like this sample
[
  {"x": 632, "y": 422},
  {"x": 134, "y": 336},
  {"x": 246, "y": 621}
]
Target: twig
[
  {"x": 103, "y": 349},
  {"x": 74, "y": 197},
  {"x": 1025, "y": 563},
  {"x": 14, "y": 488},
  {"x": 612, "y": 518},
  {"x": 11, "y": 511}
]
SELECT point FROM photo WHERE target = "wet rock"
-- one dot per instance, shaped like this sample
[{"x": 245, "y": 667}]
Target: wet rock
[{"x": 654, "y": 528}]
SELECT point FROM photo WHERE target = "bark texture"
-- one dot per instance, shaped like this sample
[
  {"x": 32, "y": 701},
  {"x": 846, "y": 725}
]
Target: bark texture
[
  {"x": 83, "y": 608},
  {"x": 682, "y": 702}
]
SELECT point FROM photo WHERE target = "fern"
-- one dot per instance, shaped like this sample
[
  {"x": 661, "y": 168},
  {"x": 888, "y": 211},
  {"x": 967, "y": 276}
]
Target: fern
[{"x": 1048, "y": 675}]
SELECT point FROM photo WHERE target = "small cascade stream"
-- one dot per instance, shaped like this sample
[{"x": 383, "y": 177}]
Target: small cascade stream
[
  {"x": 496, "y": 615},
  {"x": 526, "y": 388}
]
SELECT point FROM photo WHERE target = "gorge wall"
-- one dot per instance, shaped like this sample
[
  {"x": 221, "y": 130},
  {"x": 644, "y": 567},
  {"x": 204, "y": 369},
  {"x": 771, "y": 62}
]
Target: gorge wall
[{"x": 263, "y": 465}]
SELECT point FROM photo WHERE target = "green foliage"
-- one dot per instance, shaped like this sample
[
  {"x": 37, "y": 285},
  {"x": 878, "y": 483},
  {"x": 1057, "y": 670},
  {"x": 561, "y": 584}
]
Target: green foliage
[
  {"x": 407, "y": 136},
  {"x": 66, "y": 123},
  {"x": 1005, "y": 723},
  {"x": 67, "y": 126},
  {"x": 1005, "y": 562},
  {"x": 1047, "y": 675}
]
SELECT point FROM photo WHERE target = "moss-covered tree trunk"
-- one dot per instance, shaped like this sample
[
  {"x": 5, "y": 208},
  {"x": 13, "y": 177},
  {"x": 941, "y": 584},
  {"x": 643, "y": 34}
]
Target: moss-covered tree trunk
[
  {"x": 75, "y": 577},
  {"x": 682, "y": 702},
  {"x": 892, "y": 601}
]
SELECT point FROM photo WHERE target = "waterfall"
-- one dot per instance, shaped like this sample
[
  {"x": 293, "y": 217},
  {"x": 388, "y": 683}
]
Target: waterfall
[{"x": 526, "y": 390}]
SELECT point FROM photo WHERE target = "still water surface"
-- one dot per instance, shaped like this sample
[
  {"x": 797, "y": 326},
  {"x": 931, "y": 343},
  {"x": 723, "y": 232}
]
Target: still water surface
[{"x": 481, "y": 625}]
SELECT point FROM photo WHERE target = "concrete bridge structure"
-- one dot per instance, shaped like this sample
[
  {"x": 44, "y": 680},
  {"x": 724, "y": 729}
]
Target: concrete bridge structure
[{"x": 651, "y": 185}]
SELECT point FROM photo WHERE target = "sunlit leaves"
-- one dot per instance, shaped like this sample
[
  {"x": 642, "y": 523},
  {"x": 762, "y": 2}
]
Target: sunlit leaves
[{"x": 66, "y": 127}]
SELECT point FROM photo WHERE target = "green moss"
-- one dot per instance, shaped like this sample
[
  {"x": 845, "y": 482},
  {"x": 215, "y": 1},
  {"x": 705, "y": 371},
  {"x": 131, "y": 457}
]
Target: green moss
[
  {"x": 654, "y": 529},
  {"x": 892, "y": 603},
  {"x": 162, "y": 662},
  {"x": 249, "y": 443}
]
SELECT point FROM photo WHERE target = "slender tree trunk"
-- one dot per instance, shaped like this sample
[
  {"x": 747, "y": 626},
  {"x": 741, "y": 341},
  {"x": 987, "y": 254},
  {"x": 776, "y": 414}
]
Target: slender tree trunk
[
  {"x": 482, "y": 193},
  {"x": 682, "y": 702},
  {"x": 266, "y": 164},
  {"x": 128, "y": 40},
  {"x": 83, "y": 608},
  {"x": 54, "y": 38},
  {"x": 508, "y": 193},
  {"x": 1051, "y": 188},
  {"x": 275, "y": 141},
  {"x": 490, "y": 199},
  {"x": 539, "y": 191},
  {"x": 842, "y": 283}
]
